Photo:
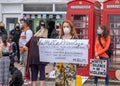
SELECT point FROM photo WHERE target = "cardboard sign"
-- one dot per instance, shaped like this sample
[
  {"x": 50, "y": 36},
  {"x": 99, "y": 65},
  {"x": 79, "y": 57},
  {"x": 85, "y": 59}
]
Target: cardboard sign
[
  {"x": 64, "y": 50},
  {"x": 98, "y": 67}
]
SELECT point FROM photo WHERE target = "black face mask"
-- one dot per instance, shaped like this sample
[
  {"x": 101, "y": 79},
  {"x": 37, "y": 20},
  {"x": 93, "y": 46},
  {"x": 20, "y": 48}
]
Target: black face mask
[
  {"x": 17, "y": 26},
  {"x": 57, "y": 27},
  {"x": 42, "y": 25}
]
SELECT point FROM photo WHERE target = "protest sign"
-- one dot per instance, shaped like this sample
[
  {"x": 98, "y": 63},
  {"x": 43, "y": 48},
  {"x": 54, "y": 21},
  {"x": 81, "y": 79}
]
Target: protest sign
[
  {"x": 64, "y": 50},
  {"x": 98, "y": 67}
]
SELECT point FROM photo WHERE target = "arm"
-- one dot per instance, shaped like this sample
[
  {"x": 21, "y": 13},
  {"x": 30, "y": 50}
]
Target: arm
[
  {"x": 96, "y": 47},
  {"x": 29, "y": 34}
]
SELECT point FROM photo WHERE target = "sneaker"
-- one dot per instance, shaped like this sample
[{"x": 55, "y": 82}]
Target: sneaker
[
  {"x": 27, "y": 82},
  {"x": 95, "y": 85}
]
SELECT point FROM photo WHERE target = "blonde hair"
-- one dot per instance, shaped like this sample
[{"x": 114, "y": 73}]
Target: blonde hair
[{"x": 72, "y": 32}]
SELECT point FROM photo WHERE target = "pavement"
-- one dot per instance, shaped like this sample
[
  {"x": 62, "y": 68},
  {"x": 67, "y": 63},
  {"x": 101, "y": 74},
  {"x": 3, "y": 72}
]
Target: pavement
[{"x": 51, "y": 82}]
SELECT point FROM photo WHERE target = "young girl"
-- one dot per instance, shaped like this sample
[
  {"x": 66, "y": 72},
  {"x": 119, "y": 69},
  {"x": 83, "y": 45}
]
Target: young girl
[
  {"x": 4, "y": 61},
  {"x": 13, "y": 50}
]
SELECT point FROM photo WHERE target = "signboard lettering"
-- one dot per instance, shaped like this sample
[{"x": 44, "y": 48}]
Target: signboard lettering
[
  {"x": 98, "y": 67},
  {"x": 80, "y": 7},
  {"x": 113, "y": 6}
]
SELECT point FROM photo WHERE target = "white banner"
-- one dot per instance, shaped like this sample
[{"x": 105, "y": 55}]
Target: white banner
[
  {"x": 98, "y": 67},
  {"x": 64, "y": 50}
]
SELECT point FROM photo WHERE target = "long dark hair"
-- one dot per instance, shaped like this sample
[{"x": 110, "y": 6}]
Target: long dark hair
[
  {"x": 4, "y": 39},
  {"x": 105, "y": 32}
]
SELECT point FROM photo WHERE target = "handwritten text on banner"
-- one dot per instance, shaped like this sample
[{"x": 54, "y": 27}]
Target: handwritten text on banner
[
  {"x": 64, "y": 50},
  {"x": 98, "y": 67}
]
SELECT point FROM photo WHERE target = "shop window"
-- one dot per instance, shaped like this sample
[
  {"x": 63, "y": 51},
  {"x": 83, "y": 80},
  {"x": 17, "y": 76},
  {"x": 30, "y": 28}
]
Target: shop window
[
  {"x": 61, "y": 7},
  {"x": 38, "y": 7}
]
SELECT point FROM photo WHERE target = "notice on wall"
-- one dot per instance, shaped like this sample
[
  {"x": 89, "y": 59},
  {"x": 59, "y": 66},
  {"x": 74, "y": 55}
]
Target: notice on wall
[
  {"x": 64, "y": 50},
  {"x": 98, "y": 67}
]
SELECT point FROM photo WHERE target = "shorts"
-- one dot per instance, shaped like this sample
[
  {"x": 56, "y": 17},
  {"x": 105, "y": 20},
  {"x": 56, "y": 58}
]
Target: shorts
[{"x": 35, "y": 69}]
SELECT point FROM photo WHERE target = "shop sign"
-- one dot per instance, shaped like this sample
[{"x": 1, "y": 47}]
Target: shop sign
[
  {"x": 113, "y": 6},
  {"x": 66, "y": 51},
  {"x": 98, "y": 67},
  {"x": 80, "y": 7}
]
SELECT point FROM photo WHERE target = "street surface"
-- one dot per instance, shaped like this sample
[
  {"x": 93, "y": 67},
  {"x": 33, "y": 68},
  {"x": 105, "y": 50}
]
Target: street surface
[{"x": 51, "y": 82}]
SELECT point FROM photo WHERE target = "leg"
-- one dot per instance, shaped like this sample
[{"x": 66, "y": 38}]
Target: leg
[
  {"x": 107, "y": 80},
  {"x": 1, "y": 71},
  {"x": 6, "y": 71},
  {"x": 18, "y": 52},
  {"x": 42, "y": 74},
  {"x": 107, "y": 74},
  {"x": 24, "y": 55},
  {"x": 42, "y": 83},
  {"x": 34, "y": 74},
  {"x": 95, "y": 80}
]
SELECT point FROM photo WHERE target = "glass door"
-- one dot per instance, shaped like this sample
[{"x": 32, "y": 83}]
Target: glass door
[
  {"x": 114, "y": 25},
  {"x": 10, "y": 20},
  {"x": 81, "y": 25}
]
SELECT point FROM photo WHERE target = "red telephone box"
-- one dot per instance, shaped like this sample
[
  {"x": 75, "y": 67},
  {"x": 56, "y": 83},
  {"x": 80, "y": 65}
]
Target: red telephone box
[
  {"x": 111, "y": 18},
  {"x": 86, "y": 16}
]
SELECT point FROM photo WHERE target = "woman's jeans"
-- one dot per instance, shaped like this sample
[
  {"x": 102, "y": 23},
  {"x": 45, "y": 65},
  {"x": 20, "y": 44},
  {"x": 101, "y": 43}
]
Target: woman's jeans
[{"x": 107, "y": 75}]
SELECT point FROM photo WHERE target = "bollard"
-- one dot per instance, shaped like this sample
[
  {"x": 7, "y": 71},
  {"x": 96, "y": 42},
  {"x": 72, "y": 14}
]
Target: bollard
[{"x": 78, "y": 80}]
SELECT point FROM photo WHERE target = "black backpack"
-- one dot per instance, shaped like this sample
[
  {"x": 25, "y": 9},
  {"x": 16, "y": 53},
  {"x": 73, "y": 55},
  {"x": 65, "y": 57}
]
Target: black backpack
[{"x": 110, "y": 49}]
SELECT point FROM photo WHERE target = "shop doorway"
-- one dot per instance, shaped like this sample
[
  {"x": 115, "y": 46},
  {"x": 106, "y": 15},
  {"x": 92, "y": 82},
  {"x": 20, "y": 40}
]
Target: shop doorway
[{"x": 10, "y": 20}]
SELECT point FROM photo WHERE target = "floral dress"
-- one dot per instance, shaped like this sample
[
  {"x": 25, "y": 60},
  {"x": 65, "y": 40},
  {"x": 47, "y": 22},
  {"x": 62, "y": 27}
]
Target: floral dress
[{"x": 65, "y": 73}]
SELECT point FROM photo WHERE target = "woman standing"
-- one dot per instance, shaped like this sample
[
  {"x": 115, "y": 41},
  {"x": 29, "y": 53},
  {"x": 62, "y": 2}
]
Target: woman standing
[
  {"x": 101, "y": 46},
  {"x": 35, "y": 64},
  {"x": 66, "y": 72},
  {"x": 4, "y": 61}
]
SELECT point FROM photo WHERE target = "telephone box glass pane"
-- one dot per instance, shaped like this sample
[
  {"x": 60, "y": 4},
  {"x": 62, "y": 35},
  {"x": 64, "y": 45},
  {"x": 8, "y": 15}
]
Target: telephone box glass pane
[
  {"x": 114, "y": 24},
  {"x": 81, "y": 25}
]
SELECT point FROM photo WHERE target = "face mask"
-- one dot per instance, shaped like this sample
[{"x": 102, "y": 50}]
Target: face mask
[
  {"x": 66, "y": 30},
  {"x": 17, "y": 26},
  {"x": 21, "y": 26},
  {"x": 57, "y": 27},
  {"x": 42, "y": 24},
  {"x": 99, "y": 31}
]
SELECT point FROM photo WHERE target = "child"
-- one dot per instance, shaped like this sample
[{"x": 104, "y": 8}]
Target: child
[{"x": 13, "y": 50}]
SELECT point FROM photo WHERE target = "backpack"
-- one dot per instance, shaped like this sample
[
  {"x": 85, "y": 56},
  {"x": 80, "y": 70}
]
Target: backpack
[
  {"x": 109, "y": 52},
  {"x": 5, "y": 51}
]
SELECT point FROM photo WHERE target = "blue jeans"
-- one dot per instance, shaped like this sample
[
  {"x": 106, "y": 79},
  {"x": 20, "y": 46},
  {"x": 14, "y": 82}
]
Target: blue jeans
[{"x": 107, "y": 75}]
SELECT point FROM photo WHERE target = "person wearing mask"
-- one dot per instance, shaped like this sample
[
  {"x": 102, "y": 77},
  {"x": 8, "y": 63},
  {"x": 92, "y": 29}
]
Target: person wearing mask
[
  {"x": 103, "y": 37},
  {"x": 41, "y": 24},
  {"x": 35, "y": 64},
  {"x": 25, "y": 36},
  {"x": 2, "y": 29},
  {"x": 13, "y": 50},
  {"x": 67, "y": 32},
  {"x": 56, "y": 32},
  {"x": 4, "y": 61},
  {"x": 16, "y": 35}
]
